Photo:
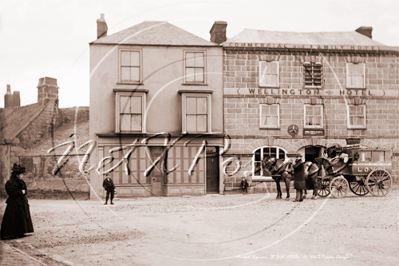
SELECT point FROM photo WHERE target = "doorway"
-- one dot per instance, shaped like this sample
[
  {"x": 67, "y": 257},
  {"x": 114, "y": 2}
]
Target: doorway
[
  {"x": 212, "y": 170},
  {"x": 311, "y": 153},
  {"x": 157, "y": 178}
]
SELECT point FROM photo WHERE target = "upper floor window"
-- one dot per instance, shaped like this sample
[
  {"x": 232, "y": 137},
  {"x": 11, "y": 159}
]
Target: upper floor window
[
  {"x": 356, "y": 116},
  {"x": 196, "y": 112},
  {"x": 195, "y": 67},
  {"x": 129, "y": 66},
  {"x": 268, "y": 74},
  {"x": 130, "y": 108},
  {"x": 269, "y": 116},
  {"x": 355, "y": 75},
  {"x": 263, "y": 153},
  {"x": 313, "y": 116},
  {"x": 313, "y": 74}
]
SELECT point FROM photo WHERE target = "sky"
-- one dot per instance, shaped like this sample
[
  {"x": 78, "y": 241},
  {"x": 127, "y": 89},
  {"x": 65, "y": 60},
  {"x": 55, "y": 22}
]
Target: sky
[{"x": 50, "y": 38}]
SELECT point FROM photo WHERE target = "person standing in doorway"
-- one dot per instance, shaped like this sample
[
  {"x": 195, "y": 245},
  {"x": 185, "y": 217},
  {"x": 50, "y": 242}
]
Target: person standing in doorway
[
  {"x": 16, "y": 220},
  {"x": 109, "y": 186}
]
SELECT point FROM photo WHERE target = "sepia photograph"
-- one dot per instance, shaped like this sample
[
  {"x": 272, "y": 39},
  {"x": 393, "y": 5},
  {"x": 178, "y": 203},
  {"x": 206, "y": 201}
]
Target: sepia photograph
[{"x": 199, "y": 132}]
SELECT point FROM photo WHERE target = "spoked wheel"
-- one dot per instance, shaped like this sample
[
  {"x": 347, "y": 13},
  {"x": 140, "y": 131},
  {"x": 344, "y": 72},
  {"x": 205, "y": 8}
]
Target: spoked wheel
[
  {"x": 379, "y": 182},
  {"x": 339, "y": 186},
  {"x": 324, "y": 190},
  {"x": 359, "y": 188}
]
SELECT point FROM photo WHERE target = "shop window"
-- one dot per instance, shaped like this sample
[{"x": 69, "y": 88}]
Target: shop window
[
  {"x": 129, "y": 66},
  {"x": 269, "y": 116},
  {"x": 313, "y": 116},
  {"x": 263, "y": 153},
  {"x": 268, "y": 74},
  {"x": 355, "y": 75},
  {"x": 130, "y": 108},
  {"x": 312, "y": 74},
  {"x": 356, "y": 116},
  {"x": 196, "y": 112},
  {"x": 194, "y": 67}
]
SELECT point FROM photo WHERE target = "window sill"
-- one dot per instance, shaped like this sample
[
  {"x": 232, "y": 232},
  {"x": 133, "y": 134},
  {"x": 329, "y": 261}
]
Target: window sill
[
  {"x": 356, "y": 128},
  {"x": 129, "y": 83},
  {"x": 194, "y": 84},
  {"x": 269, "y": 87},
  {"x": 130, "y": 90},
  {"x": 313, "y": 87},
  {"x": 355, "y": 88},
  {"x": 269, "y": 128},
  {"x": 195, "y": 91}
]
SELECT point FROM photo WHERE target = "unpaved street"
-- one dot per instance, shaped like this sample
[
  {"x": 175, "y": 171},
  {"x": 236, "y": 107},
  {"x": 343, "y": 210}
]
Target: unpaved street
[{"x": 215, "y": 230}]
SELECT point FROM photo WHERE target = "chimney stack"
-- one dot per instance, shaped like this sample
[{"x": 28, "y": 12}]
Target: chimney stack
[
  {"x": 366, "y": 31},
  {"x": 11, "y": 100},
  {"x": 218, "y": 32},
  {"x": 47, "y": 90},
  {"x": 102, "y": 27}
]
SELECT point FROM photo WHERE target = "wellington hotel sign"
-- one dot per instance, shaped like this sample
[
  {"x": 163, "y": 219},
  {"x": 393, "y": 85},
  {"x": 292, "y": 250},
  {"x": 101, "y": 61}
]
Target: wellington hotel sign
[{"x": 262, "y": 92}]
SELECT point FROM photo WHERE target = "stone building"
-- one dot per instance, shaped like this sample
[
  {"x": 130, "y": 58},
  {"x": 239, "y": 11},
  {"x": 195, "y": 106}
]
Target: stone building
[
  {"x": 23, "y": 127},
  {"x": 156, "y": 100},
  {"x": 288, "y": 92}
]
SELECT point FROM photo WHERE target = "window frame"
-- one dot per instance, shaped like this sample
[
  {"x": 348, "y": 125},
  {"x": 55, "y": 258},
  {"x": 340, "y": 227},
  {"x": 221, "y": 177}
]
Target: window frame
[
  {"x": 118, "y": 95},
  {"x": 347, "y": 76},
  {"x": 364, "y": 126},
  {"x": 120, "y": 81},
  {"x": 321, "y": 75},
  {"x": 321, "y": 114},
  {"x": 260, "y": 117},
  {"x": 205, "y": 94},
  {"x": 262, "y": 157},
  {"x": 204, "y": 67},
  {"x": 278, "y": 74}
]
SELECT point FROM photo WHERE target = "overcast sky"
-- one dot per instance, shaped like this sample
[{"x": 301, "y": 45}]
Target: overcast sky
[{"x": 50, "y": 38}]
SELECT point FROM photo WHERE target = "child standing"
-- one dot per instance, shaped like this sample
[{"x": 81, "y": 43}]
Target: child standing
[{"x": 244, "y": 186}]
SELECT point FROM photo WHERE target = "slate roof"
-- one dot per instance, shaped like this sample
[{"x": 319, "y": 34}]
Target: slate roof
[
  {"x": 302, "y": 38},
  {"x": 154, "y": 33},
  {"x": 14, "y": 119}
]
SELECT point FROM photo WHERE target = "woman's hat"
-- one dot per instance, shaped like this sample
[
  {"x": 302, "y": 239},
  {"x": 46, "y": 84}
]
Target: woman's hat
[{"x": 18, "y": 169}]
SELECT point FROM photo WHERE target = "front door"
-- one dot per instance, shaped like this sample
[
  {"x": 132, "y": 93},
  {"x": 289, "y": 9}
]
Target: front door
[
  {"x": 212, "y": 169},
  {"x": 157, "y": 177}
]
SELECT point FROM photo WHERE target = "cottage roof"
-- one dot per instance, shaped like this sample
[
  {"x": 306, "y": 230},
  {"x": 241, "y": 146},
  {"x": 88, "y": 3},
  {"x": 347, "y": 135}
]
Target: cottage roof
[
  {"x": 154, "y": 33},
  {"x": 15, "y": 119},
  {"x": 302, "y": 38}
]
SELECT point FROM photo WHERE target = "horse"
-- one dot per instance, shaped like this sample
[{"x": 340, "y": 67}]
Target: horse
[{"x": 280, "y": 169}]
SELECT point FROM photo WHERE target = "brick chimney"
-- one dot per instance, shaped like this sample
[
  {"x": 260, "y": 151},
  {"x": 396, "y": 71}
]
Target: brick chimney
[
  {"x": 218, "y": 32},
  {"x": 11, "y": 100},
  {"x": 366, "y": 31},
  {"x": 47, "y": 90},
  {"x": 102, "y": 27}
]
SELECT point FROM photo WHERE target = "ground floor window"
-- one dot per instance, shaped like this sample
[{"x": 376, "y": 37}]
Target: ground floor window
[{"x": 263, "y": 153}]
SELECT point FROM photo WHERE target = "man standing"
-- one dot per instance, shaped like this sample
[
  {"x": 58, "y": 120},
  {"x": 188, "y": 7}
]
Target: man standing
[
  {"x": 109, "y": 186},
  {"x": 299, "y": 178}
]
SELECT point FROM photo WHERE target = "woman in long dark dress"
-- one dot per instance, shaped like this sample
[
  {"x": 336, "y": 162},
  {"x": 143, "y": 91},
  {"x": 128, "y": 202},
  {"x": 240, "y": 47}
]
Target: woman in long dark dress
[{"x": 16, "y": 220}]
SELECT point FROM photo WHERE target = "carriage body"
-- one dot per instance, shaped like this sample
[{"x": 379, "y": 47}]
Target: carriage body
[{"x": 366, "y": 171}]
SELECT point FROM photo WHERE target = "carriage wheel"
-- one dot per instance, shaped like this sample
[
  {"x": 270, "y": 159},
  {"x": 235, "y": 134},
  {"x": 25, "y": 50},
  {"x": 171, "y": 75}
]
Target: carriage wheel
[
  {"x": 339, "y": 187},
  {"x": 324, "y": 190},
  {"x": 359, "y": 188},
  {"x": 379, "y": 183}
]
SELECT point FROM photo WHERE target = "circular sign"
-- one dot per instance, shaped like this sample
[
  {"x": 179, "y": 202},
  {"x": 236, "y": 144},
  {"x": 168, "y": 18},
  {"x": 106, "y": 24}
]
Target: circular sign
[{"x": 292, "y": 130}]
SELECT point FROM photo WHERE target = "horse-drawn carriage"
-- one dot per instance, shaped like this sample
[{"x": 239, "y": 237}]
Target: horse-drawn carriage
[
  {"x": 352, "y": 168},
  {"x": 360, "y": 170}
]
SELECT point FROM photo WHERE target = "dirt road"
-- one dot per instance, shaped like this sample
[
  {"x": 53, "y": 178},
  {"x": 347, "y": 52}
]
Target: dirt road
[{"x": 216, "y": 230}]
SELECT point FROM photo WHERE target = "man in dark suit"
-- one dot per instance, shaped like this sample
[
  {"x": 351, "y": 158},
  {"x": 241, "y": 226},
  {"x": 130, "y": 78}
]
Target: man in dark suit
[
  {"x": 109, "y": 186},
  {"x": 299, "y": 178}
]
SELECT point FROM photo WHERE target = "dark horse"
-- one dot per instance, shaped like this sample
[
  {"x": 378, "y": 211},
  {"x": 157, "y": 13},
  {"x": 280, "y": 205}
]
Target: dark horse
[{"x": 280, "y": 169}]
